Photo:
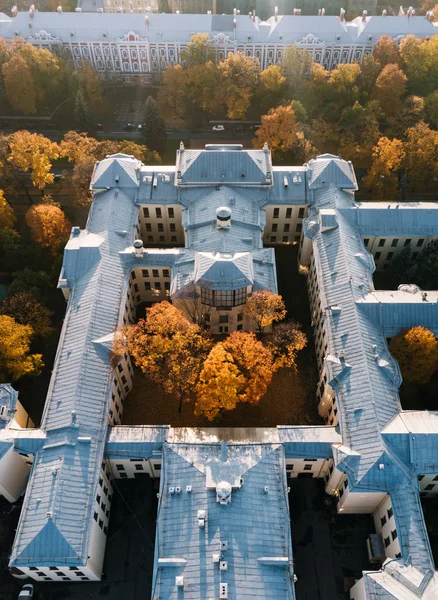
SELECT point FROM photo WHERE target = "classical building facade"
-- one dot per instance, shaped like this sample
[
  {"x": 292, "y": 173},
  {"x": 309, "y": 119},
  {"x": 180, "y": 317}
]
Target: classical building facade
[
  {"x": 128, "y": 45},
  {"x": 227, "y": 489}
]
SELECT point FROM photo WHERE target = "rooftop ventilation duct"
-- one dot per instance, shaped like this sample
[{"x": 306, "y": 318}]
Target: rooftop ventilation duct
[
  {"x": 138, "y": 248},
  {"x": 223, "y": 492},
  {"x": 223, "y": 217}
]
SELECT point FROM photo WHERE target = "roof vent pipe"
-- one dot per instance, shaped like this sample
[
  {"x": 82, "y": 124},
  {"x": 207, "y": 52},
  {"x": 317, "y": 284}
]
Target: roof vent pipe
[
  {"x": 297, "y": 12},
  {"x": 14, "y": 11},
  {"x": 59, "y": 9},
  {"x": 276, "y": 13},
  {"x": 384, "y": 12},
  {"x": 342, "y": 15},
  {"x": 138, "y": 248},
  {"x": 223, "y": 217},
  {"x": 364, "y": 15}
]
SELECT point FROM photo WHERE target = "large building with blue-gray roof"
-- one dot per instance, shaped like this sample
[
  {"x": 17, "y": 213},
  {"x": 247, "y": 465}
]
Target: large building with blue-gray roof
[
  {"x": 195, "y": 233},
  {"x": 128, "y": 46}
]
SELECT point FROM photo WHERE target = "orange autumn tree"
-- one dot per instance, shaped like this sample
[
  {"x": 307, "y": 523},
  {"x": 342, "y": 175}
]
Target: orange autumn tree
[
  {"x": 382, "y": 179},
  {"x": 15, "y": 360},
  {"x": 238, "y": 369},
  {"x": 416, "y": 351},
  {"x": 265, "y": 307},
  {"x": 167, "y": 348},
  {"x": 279, "y": 129},
  {"x": 48, "y": 225}
]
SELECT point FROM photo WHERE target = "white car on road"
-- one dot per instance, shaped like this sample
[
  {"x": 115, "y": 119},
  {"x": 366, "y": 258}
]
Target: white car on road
[
  {"x": 26, "y": 592},
  {"x": 218, "y": 128}
]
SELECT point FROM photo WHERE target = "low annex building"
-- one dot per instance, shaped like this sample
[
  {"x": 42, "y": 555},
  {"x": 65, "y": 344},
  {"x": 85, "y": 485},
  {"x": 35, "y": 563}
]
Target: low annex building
[
  {"x": 132, "y": 46},
  {"x": 196, "y": 232}
]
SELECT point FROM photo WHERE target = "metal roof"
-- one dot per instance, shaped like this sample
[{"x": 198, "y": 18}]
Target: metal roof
[
  {"x": 253, "y": 525},
  {"x": 57, "y": 510},
  {"x": 286, "y": 29},
  {"x": 393, "y": 218}
]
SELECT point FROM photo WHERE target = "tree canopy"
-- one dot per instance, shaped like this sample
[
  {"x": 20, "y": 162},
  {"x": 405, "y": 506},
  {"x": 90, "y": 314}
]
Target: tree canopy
[
  {"x": 154, "y": 127},
  {"x": 238, "y": 369},
  {"x": 416, "y": 351},
  {"x": 7, "y": 216},
  {"x": 15, "y": 359},
  {"x": 27, "y": 311},
  {"x": 264, "y": 307},
  {"x": 48, "y": 225},
  {"x": 34, "y": 153}
]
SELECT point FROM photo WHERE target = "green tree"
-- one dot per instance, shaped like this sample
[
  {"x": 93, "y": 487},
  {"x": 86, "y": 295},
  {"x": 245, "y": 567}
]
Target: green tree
[
  {"x": 82, "y": 114},
  {"x": 359, "y": 132},
  {"x": 154, "y": 127},
  {"x": 420, "y": 64},
  {"x": 399, "y": 268},
  {"x": 295, "y": 65},
  {"x": 27, "y": 311},
  {"x": 416, "y": 351},
  {"x": 431, "y": 102},
  {"x": 36, "y": 283},
  {"x": 425, "y": 270},
  {"x": 7, "y": 216}
]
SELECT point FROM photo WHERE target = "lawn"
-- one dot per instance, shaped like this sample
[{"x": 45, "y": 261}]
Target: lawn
[{"x": 290, "y": 399}]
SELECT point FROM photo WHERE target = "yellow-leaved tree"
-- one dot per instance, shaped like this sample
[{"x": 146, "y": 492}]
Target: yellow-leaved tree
[
  {"x": 34, "y": 153},
  {"x": 265, "y": 307},
  {"x": 279, "y": 129},
  {"x": 15, "y": 360},
  {"x": 239, "y": 77},
  {"x": 7, "y": 216},
  {"x": 238, "y": 369},
  {"x": 167, "y": 348},
  {"x": 416, "y": 350},
  {"x": 49, "y": 226},
  {"x": 382, "y": 176}
]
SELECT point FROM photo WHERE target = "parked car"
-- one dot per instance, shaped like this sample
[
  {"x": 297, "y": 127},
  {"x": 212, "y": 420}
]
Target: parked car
[
  {"x": 140, "y": 127},
  {"x": 99, "y": 127},
  {"x": 129, "y": 127},
  {"x": 26, "y": 592},
  {"x": 218, "y": 128},
  {"x": 58, "y": 177}
]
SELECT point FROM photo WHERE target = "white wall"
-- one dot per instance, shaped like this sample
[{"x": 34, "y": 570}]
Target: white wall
[
  {"x": 357, "y": 592},
  {"x": 318, "y": 467},
  {"x": 385, "y": 249},
  {"x": 384, "y": 522},
  {"x": 129, "y": 469},
  {"x": 14, "y": 471},
  {"x": 283, "y": 223},
  {"x": 161, "y": 223}
]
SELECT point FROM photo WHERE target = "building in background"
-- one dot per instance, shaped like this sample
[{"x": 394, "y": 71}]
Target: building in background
[
  {"x": 374, "y": 457},
  {"x": 131, "y": 46}
]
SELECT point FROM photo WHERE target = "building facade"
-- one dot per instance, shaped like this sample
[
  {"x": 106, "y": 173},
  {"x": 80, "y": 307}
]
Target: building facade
[
  {"x": 374, "y": 457},
  {"x": 128, "y": 45}
]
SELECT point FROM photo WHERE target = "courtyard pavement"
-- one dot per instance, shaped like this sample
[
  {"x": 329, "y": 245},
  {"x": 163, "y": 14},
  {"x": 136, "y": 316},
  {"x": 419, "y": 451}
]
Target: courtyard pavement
[
  {"x": 329, "y": 549},
  {"x": 129, "y": 555}
]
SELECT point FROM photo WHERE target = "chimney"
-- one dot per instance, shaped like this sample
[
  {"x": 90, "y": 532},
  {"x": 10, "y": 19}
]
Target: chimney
[
  {"x": 59, "y": 9},
  {"x": 322, "y": 12},
  {"x": 364, "y": 15},
  {"x": 384, "y": 12},
  {"x": 14, "y": 11},
  {"x": 276, "y": 13},
  {"x": 342, "y": 15},
  {"x": 401, "y": 12},
  {"x": 297, "y": 12}
]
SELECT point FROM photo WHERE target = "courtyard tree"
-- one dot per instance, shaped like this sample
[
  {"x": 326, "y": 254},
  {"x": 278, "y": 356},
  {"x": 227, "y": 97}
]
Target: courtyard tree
[
  {"x": 431, "y": 105},
  {"x": 285, "y": 341},
  {"x": 221, "y": 385},
  {"x": 264, "y": 307},
  {"x": 49, "y": 226},
  {"x": 382, "y": 177},
  {"x": 425, "y": 270},
  {"x": 154, "y": 127},
  {"x": 198, "y": 51},
  {"x": 203, "y": 88},
  {"x": 7, "y": 216},
  {"x": 33, "y": 153},
  {"x": 167, "y": 348},
  {"x": 239, "y": 369},
  {"x": 15, "y": 358},
  {"x": 416, "y": 351},
  {"x": 271, "y": 89},
  {"x": 239, "y": 77},
  {"x": 172, "y": 95},
  {"x": 279, "y": 129},
  {"x": 27, "y": 311}
]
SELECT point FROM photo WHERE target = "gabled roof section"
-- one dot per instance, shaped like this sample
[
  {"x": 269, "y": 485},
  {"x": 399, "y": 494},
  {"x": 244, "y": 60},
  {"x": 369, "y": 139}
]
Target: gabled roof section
[
  {"x": 116, "y": 170},
  {"x": 223, "y": 164},
  {"x": 222, "y": 270},
  {"x": 48, "y": 545},
  {"x": 328, "y": 169}
]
